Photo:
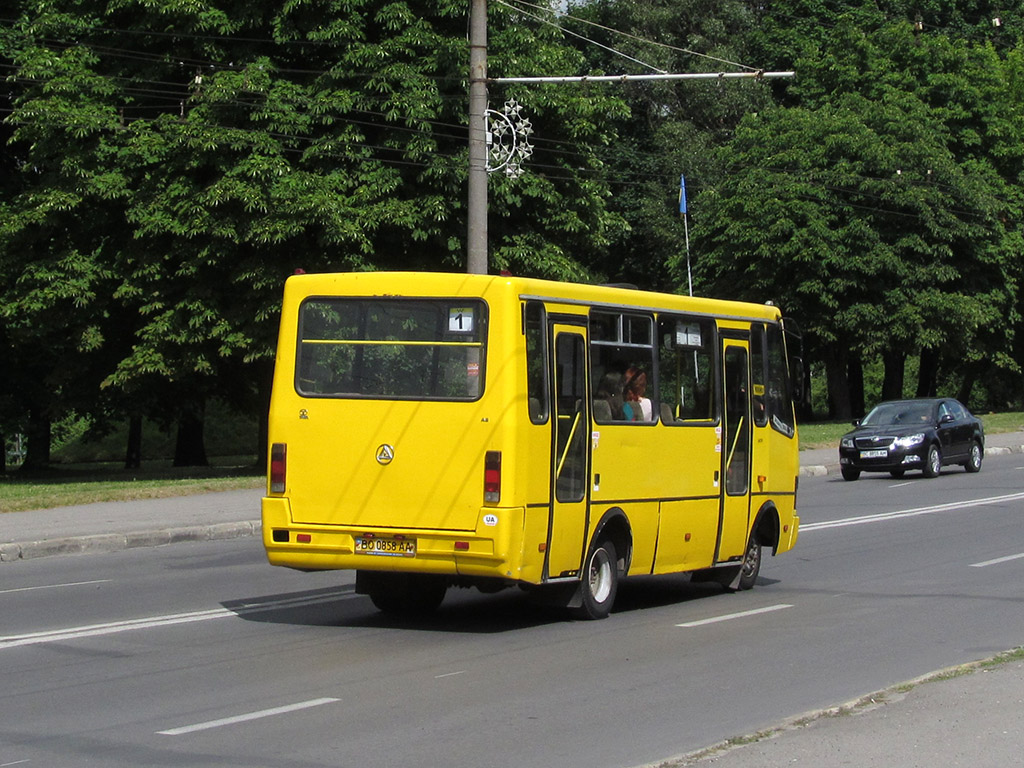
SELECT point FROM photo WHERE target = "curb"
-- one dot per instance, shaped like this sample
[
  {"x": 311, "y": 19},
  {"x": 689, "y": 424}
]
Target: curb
[
  {"x": 861, "y": 705},
  {"x": 115, "y": 542}
]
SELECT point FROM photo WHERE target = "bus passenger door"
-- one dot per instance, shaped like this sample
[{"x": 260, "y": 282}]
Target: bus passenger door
[
  {"x": 735, "y": 489},
  {"x": 570, "y": 453}
]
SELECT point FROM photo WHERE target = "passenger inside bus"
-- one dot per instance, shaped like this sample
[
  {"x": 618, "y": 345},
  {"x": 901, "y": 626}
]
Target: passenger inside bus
[{"x": 636, "y": 406}]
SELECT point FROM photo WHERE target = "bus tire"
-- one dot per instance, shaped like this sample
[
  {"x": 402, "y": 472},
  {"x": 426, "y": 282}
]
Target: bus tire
[
  {"x": 600, "y": 583},
  {"x": 403, "y": 594},
  {"x": 751, "y": 564}
]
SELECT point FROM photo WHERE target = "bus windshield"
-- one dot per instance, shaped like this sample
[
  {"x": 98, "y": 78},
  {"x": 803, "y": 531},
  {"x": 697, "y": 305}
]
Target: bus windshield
[{"x": 391, "y": 348}]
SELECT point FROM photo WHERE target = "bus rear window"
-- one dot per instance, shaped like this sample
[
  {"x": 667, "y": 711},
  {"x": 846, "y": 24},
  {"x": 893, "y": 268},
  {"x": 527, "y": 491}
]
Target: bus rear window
[{"x": 418, "y": 349}]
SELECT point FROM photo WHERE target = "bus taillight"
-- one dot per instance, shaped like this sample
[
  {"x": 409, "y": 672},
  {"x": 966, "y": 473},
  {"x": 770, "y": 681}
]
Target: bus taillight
[
  {"x": 278, "y": 466},
  {"x": 492, "y": 476}
]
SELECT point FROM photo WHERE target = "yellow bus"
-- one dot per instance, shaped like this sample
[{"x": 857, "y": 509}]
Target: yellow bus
[{"x": 437, "y": 430}]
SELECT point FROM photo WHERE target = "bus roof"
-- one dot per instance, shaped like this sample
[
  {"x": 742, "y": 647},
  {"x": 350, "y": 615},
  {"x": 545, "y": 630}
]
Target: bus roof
[{"x": 400, "y": 284}]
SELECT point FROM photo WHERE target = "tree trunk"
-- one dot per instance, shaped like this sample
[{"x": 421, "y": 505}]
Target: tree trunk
[
  {"x": 892, "y": 384},
  {"x": 133, "y": 453},
  {"x": 264, "y": 381},
  {"x": 3, "y": 454},
  {"x": 37, "y": 454},
  {"x": 855, "y": 377},
  {"x": 838, "y": 385},
  {"x": 189, "y": 448},
  {"x": 967, "y": 385},
  {"x": 928, "y": 373}
]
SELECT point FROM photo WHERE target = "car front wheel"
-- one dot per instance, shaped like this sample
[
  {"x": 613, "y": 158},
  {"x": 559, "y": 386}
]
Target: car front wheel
[
  {"x": 974, "y": 461},
  {"x": 933, "y": 462},
  {"x": 849, "y": 473}
]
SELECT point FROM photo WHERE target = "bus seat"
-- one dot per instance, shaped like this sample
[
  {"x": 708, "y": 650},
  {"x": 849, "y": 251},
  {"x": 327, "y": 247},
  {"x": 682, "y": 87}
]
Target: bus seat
[
  {"x": 666, "y": 414},
  {"x": 535, "y": 412},
  {"x": 602, "y": 411}
]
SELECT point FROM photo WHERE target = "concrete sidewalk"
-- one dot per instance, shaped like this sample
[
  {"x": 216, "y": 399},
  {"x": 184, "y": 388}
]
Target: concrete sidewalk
[
  {"x": 970, "y": 716},
  {"x": 112, "y": 526}
]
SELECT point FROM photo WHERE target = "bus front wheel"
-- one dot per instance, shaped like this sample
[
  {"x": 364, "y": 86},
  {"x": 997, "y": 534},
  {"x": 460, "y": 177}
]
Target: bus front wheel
[{"x": 600, "y": 583}]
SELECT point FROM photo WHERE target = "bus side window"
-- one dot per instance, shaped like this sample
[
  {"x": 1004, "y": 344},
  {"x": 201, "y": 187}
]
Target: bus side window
[
  {"x": 686, "y": 369},
  {"x": 778, "y": 389},
  {"x": 757, "y": 375},
  {"x": 536, "y": 362},
  {"x": 622, "y": 367}
]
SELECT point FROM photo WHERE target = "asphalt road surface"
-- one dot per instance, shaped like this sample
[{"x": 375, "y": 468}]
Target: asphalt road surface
[{"x": 204, "y": 655}]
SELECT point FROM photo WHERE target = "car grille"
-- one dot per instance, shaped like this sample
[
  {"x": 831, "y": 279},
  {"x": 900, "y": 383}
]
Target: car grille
[{"x": 870, "y": 443}]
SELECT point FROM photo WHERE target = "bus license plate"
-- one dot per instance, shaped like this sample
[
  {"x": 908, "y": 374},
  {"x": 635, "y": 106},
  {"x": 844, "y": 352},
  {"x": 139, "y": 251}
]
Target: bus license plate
[
  {"x": 874, "y": 454},
  {"x": 388, "y": 547}
]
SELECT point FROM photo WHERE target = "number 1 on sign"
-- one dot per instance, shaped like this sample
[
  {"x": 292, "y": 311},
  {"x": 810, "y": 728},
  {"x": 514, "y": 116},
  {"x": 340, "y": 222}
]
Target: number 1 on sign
[{"x": 460, "y": 320}]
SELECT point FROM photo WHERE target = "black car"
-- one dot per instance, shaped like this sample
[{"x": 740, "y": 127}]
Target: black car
[{"x": 924, "y": 434}]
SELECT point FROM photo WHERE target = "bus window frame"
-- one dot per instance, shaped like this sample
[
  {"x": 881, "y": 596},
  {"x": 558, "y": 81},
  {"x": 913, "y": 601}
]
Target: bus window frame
[
  {"x": 543, "y": 413},
  {"x": 713, "y": 345},
  {"x": 618, "y": 344},
  {"x": 481, "y": 345}
]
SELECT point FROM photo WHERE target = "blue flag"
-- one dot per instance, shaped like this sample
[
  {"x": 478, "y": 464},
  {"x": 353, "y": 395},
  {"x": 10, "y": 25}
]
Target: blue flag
[{"x": 682, "y": 195}]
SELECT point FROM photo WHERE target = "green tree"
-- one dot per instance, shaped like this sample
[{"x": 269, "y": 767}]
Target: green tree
[
  {"x": 876, "y": 209},
  {"x": 180, "y": 160}
]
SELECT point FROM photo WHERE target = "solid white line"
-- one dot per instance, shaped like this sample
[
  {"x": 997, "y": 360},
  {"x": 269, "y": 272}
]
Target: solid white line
[
  {"x": 95, "y": 630},
  {"x": 731, "y": 616},
  {"x": 998, "y": 560},
  {"x": 16, "y": 762},
  {"x": 897, "y": 515},
  {"x": 450, "y": 674},
  {"x": 51, "y": 586},
  {"x": 245, "y": 718}
]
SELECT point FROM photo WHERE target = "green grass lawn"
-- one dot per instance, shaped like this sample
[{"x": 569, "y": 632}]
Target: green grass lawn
[{"x": 83, "y": 484}]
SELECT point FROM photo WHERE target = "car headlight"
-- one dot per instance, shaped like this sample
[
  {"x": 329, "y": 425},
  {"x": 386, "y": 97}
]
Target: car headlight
[
  {"x": 846, "y": 442},
  {"x": 909, "y": 441}
]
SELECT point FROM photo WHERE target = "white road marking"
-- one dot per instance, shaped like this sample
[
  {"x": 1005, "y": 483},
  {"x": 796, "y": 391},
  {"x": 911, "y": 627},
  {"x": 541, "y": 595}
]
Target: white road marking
[
  {"x": 450, "y": 674},
  {"x": 16, "y": 762},
  {"x": 114, "y": 627},
  {"x": 51, "y": 586},
  {"x": 247, "y": 717},
  {"x": 897, "y": 515},
  {"x": 731, "y": 616},
  {"x": 998, "y": 560}
]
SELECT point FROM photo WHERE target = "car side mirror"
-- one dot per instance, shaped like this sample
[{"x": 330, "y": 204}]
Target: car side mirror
[
  {"x": 945, "y": 418},
  {"x": 856, "y": 422}
]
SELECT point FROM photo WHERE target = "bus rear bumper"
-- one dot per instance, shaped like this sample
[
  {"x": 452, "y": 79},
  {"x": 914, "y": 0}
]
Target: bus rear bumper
[{"x": 483, "y": 553}]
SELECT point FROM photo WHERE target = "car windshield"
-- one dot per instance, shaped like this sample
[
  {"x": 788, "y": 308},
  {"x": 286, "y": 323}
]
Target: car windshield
[{"x": 898, "y": 413}]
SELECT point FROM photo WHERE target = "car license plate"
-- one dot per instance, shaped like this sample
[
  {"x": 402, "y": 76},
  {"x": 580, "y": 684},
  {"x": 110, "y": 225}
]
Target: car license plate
[
  {"x": 874, "y": 454},
  {"x": 386, "y": 546}
]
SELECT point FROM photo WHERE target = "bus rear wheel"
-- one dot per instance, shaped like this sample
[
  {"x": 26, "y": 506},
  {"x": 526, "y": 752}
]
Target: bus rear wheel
[
  {"x": 600, "y": 583},
  {"x": 402, "y": 594}
]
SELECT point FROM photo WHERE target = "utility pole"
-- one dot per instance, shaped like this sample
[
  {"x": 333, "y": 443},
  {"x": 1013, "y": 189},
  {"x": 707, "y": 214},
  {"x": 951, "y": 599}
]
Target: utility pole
[{"x": 476, "y": 214}]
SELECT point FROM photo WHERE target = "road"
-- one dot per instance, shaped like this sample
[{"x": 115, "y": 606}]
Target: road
[{"x": 203, "y": 655}]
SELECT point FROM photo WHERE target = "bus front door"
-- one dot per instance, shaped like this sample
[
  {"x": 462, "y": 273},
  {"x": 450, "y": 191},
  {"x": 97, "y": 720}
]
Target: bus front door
[
  {"x": 570, "y": 453},
  {"x": 734, "y": 519}
]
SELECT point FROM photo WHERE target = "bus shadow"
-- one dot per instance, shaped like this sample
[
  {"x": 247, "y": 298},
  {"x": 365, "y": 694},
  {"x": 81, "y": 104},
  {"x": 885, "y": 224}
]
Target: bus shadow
[{"x": 464, "y": 611}]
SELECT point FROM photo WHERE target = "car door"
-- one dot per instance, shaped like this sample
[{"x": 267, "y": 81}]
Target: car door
[{"x": 950, "y": 437}]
